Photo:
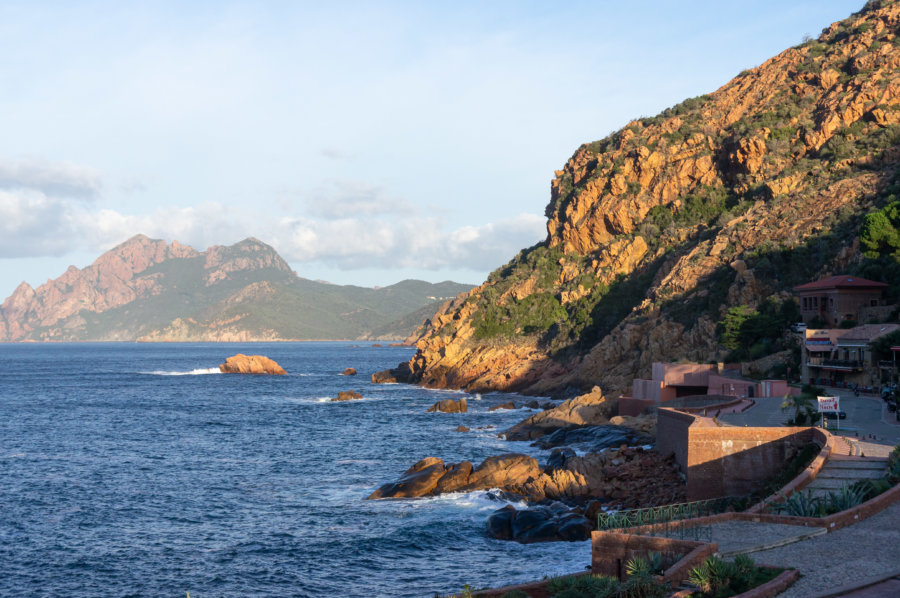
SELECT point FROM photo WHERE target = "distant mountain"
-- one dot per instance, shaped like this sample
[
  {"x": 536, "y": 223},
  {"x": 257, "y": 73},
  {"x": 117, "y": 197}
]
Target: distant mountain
[{"x": 146, "y": 289}]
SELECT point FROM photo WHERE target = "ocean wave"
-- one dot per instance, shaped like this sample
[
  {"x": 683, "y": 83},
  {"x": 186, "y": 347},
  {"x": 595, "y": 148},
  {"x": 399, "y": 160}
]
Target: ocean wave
[{"x": 197, "y": 372}]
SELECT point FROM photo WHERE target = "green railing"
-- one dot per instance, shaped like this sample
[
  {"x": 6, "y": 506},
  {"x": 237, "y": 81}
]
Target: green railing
[{"x": 670, "y": 520}]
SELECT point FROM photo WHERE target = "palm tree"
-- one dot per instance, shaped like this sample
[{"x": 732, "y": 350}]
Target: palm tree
[{"x": 802, "y": 405}]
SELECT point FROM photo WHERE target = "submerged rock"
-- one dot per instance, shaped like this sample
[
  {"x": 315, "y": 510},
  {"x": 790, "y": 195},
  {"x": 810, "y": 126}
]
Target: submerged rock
[
  {"x": 450, "y": 406},
  {"x": 348, "y": 395},
  {"x": 507, "y": 405},
  {"x": 251, "y": 364},
  {"x": 349, "y": 372},
  {"x": 462, "y": 428}
]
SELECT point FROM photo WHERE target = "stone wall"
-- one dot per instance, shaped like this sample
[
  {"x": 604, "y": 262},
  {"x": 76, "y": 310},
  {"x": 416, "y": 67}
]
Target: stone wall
[
  {"x": 725, "y": 460},
  {"x": 610, "y": 551},
  {"x": 732, "y": 461}
]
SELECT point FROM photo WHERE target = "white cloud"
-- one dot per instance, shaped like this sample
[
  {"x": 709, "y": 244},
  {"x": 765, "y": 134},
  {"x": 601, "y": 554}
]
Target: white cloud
[
  {"x": 62, "y": 179},
  {"x": 408, "y": 242},
  {"x": 346, "y": 224}
]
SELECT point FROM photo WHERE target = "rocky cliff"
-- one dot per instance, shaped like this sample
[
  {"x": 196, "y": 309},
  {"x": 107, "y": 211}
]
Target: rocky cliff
[
  {"x": 146, "y": 289},
  {"x": 653, "y": 232}
]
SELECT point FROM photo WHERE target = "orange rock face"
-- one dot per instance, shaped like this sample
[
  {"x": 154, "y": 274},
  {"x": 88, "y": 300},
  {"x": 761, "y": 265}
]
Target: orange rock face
[
  {"x": 790, "y": 149},
  {"x": 250, "y": 364}
]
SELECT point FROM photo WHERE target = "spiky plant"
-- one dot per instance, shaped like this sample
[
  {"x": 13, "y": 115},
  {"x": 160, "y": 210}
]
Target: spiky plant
[
  {"x": 845, "y": 498},
  {"x": 802, "y": 504}
]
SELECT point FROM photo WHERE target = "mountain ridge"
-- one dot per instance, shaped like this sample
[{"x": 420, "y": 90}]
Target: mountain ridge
[
  {"x": 145, "y": 289},
  {"x": 657, "y": 230}
]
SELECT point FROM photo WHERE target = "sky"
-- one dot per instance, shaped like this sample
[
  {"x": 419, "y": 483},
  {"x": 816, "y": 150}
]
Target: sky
[{"x": 367, "y": 142}]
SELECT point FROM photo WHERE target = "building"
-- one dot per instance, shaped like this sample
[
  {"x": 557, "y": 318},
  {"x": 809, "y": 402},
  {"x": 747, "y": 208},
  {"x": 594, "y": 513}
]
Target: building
[
  {"x": 843, "y": 357},
  {"x": 838, "y": 299},
  {"x": 672, "y": 381}
]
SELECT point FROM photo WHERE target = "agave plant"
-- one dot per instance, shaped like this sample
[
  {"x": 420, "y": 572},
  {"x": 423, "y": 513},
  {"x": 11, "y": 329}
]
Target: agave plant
[
  {"x": 714, "y": 575},
  {"x": 802, "y": 504},
  {"x": 845, "y": 498},
  {"x": 744, "y": 564}
]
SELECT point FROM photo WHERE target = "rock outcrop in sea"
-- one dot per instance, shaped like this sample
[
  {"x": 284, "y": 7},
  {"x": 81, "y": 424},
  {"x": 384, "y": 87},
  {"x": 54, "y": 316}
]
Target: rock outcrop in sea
[{"x": 251, "y": 364}]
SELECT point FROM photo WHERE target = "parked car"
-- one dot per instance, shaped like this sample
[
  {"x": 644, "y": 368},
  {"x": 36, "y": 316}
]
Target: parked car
[
  {"x": 798, "y": 327},
  {"x": 835, "y": 414}
]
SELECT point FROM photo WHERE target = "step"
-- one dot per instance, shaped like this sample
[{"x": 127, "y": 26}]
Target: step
[
  {"x": 858, "y": 474},
  {"x": 830, "y": 483},
  {"x": 856, "y": 464}
]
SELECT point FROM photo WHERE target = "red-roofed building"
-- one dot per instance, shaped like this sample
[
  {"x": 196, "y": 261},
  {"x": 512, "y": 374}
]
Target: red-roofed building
[{"x": 838, "y": 299}]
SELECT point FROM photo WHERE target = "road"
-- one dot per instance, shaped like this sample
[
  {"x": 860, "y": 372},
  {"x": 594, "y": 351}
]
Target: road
[{"x": 869, "y": 424}]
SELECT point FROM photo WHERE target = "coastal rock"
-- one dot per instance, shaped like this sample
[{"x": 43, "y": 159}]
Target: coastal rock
[
  {"x": 508, "y": 472},
  {"x": 588, "y": 409},
  {"x": 507, "y": 405},
  {"x": 396, "y": 375},
  {"x": 349, "y": 372},
  {"x": 419, "y": 480},
  {"x": 625, "y": 477},
  {"x": 348, "y": 395},
  {"x": 462, "y": 428},
  {"x": 250, "y": 364},
  {"x": 593, "y": 438},
  {"x": 450, "y": 406},
  {"x": 538, "y": 524}
]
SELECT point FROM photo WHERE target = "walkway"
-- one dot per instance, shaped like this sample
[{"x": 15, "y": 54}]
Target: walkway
[
  {"x": 841, "y": 561},
  {"x": 841, "y": 471}
]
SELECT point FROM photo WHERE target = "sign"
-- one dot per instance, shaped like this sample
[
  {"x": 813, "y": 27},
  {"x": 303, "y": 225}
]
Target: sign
[{"x": 828, "y": 404}]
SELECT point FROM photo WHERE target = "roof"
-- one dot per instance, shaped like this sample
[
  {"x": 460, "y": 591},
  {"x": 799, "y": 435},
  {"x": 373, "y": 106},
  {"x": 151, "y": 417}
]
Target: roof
[
  {"x": 841, "y": 281},
  {"x": 867, "y": 332}
]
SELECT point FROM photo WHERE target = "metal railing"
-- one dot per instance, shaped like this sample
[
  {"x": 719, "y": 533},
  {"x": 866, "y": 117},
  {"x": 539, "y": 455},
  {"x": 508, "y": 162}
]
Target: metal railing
[
  {"x": 667, "y": 520},
  {"x": 843, "y": 363}
]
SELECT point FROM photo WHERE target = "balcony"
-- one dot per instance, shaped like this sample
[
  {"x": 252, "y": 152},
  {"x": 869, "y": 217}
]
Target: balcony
[
  {"x": 887, "y": 364},
  {"x": 843, "y": 364}
]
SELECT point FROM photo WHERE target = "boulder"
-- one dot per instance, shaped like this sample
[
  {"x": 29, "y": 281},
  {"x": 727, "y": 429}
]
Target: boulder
[
  {"x": 401, "y": 373},
  {"x": 418, "y": 480},
  {"x": 510, "y": 473},
  {"x": 507, "y": 405},
  {"x": 349, "y": 372},
  {"x": 450, "y": 406},
  {"x": 558, "y": 457},
  {"x": 348, "y": 395},
  {"x": 462, "y": 428},
  {"x": 585, "y": 410},
  {"x": 539, "y": 524},
  {"x": 250, "y": 364}
]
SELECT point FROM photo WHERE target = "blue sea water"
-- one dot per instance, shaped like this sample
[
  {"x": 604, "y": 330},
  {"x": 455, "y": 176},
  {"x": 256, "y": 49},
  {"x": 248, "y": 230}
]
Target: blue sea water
[{"x": 134, "y": 470}]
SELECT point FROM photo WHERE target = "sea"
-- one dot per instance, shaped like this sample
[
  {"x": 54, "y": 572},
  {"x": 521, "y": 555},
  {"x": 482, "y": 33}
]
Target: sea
[{"x": 130, "y": 469}]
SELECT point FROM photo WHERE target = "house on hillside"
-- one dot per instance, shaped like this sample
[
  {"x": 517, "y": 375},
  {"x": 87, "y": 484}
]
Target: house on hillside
[
  {"x": 844, "y": 357},
  {"x": 838, "y": 298}
]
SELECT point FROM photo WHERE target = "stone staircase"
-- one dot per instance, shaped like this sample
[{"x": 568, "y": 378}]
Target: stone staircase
[{"x": 844, "y": 470}]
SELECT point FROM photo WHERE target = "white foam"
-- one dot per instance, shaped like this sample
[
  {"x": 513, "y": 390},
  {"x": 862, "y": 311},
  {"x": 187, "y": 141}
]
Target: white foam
[
  {"x": 197, "y": 372},
  {"x": 483, "y": 500}
]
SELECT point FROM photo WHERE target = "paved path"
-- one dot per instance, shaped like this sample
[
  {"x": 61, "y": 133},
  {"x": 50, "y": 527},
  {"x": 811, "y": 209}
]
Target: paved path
[{"x": 868, "y": 550}]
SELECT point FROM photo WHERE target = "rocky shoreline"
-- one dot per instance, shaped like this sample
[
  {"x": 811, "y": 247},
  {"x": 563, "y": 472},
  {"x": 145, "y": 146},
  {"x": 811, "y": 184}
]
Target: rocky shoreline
[{"x": 598, "y": 461}]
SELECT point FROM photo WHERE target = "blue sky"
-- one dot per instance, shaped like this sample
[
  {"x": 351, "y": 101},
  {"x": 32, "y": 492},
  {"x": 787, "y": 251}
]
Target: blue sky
[{"x": 368, "y": 142}]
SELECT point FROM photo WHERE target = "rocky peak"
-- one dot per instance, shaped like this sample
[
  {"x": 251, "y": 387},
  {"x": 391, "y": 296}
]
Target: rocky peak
[{"x": 249, "y": 254}]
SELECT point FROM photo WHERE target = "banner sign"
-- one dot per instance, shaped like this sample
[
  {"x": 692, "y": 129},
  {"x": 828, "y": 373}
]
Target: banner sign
[{"x": 828, "y": 404}]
